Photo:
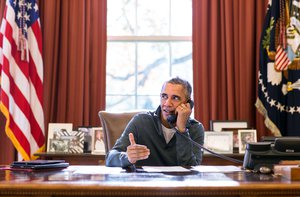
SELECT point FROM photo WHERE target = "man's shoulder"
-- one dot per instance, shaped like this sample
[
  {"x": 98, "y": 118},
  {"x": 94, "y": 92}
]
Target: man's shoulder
[
  {"x": 145, "y": 114},
  {"x": 195, "y": 124},
  {"x": 145, "y": 117},
  {"x": 194, "y": 121}
]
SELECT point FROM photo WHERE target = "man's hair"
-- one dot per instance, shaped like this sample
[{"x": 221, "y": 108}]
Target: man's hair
[{"x": 186, "y": 85}]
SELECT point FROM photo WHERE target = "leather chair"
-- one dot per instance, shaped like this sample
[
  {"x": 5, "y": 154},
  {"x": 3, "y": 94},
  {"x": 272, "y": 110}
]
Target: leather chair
[{"x": 113, "y": 125}]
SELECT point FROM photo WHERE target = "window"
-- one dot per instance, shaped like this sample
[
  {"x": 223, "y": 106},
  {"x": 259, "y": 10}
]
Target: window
[{"x": 148, "y": 42}]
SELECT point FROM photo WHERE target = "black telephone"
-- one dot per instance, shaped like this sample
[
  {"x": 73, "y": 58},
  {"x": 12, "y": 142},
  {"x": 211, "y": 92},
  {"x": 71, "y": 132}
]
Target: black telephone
[
  {"x": 264, "y": 155},
  {"x": 173, "y": 117}
]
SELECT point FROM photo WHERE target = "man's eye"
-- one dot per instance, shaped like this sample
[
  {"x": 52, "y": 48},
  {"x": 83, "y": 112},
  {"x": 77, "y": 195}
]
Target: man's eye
[
  {"x": 176, "y": 98},
  {"x": 163, "y": 96}
]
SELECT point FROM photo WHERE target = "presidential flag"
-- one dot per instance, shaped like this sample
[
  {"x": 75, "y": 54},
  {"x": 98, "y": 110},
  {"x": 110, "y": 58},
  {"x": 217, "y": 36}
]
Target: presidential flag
[
  {"x": 21, "y": 67},
  {"x": 279, "y": 73}
]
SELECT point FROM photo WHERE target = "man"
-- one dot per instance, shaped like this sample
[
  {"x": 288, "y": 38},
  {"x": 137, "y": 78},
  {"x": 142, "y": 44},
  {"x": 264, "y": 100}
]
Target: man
[{"x": 150, "y": 140}]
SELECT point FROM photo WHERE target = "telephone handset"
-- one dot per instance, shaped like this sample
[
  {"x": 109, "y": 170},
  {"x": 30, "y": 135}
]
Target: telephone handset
[{"x": 173, "y": 117}]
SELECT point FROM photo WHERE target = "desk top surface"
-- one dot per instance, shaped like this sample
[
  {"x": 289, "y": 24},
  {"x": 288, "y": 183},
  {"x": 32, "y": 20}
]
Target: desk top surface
[{"x": 101, "y": 179}]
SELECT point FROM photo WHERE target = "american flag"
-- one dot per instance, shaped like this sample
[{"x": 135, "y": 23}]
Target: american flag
[
  {"x": 21, "y": 67},
  {"x": 281, "y": 59},
  {"x": 279, "y": 77}
]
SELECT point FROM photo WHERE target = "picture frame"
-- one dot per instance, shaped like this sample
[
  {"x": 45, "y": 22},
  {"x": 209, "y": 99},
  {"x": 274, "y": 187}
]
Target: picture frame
[
  {"x": 54, "y": 139},
  {"x": 76, "y": 141},
  {"x": 245, "y": 136},
  {"x": 59, "y": 145},
  {"x": 219, "y": 142},
  {"x": 235, "y": 137},
  {"x": 218, "y": 125},
  {"x": 98, "y": 144},
  {"x": 87, "y": 138}
]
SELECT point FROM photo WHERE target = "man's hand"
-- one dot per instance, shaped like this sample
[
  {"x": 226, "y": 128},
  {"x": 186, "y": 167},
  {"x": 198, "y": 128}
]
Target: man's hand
[
  {"x": 135, "y": 151},
  {"x": 184, "y": 111}
]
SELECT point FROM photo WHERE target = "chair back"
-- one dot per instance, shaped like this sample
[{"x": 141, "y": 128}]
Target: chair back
[{"x": 113, "y": 124}]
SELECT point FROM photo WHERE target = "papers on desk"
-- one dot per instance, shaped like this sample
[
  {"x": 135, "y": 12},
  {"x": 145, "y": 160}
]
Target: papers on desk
[
  {"x": 201, "y": 168},
  {"x": 165, "y": 169},
  {"x": 151, "y": 169},
  {"x": 95, "y": 170},
  {"x": 221, "y": 169}
]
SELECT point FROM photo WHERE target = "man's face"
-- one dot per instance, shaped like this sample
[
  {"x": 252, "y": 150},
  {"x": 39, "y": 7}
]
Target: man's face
[{"x": 171, "y": 96}]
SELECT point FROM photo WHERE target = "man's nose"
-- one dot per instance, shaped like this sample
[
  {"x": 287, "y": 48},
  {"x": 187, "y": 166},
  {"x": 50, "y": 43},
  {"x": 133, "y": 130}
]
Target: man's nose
[{"x": 168, "y": 102}]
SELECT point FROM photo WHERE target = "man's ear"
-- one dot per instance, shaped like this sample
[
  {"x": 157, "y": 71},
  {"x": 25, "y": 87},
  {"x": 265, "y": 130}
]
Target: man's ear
[{"x": 191, "y": 103}]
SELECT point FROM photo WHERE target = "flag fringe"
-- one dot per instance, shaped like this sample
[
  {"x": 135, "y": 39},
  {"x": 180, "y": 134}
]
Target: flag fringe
[
  {"x": 12, "y": 137},
  {"x": 268, "y": 122}
]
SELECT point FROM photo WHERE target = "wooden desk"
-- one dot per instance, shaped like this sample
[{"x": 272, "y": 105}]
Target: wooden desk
[
  {"x": 75, "y": 159},
  {"x": 209, "y": 159},
  {"x": 91, "y": 159},
  {"x": 103, "y": 181}
]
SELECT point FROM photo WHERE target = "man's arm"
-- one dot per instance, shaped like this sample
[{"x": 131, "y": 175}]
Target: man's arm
[
  {"x": 126, "y": 152},
  {"x": 117, "y": 156}
]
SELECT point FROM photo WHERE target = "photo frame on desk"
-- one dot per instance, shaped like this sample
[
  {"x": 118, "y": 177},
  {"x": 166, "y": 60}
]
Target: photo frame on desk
[
  {"x": 55, "y": 141},
  {"x": 218, "y": 125},
  {"x": 76, "y": 141},
  {"x": 246, "y": 136},
  {"x": 219, "y": 142},
  {"x": 87, "y": 138},
  {"x": 59, "y": 145},
  {"x": 235, "y": 134},
  {"x": 98, "y": 145}
]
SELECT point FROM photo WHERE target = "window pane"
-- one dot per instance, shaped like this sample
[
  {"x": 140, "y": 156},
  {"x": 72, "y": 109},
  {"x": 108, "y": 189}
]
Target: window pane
[
  {"x": 182, "y": 64},
  {"x": 121, "y": 17},
  {"x": 148, "y": 102},
  {"x": 153, "y": 17},
  {"x": 120, "y": 74},
  {"x": 181, "y": 18},
  {"x": 153, "y": 69},
  {"x": 120, "y": 103}
]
